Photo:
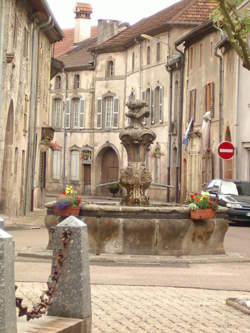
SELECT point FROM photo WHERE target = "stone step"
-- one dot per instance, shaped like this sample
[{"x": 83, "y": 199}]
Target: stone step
[{"x": 51, "y": 324}]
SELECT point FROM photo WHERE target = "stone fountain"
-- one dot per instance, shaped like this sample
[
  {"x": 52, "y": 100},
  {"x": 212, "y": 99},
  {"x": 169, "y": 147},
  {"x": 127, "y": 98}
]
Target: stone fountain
[
  {"x": 136, "y": 139},
  {"x": 134, "y": 226}
]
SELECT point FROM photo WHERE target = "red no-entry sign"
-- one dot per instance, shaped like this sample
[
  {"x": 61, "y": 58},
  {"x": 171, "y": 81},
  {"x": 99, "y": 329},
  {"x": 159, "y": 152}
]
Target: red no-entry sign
[{"x": 226, "y": 150}]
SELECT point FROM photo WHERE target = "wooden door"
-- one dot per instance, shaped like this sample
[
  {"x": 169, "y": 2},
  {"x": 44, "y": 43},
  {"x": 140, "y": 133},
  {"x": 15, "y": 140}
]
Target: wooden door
[{"x": 110, "y": 167}]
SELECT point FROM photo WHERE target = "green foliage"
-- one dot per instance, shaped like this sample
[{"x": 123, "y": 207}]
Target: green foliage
[{"x": 235, "y": 22}]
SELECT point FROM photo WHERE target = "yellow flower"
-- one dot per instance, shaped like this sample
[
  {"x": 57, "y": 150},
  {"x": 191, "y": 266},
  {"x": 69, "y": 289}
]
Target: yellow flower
[{"x": 68, "y": 189}]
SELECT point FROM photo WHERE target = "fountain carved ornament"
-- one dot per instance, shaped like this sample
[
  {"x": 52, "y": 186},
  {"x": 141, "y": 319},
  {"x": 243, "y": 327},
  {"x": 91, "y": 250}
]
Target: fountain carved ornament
[{"x": 136, "y": 139}]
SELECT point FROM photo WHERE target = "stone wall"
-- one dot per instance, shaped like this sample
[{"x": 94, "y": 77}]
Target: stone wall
[{"x": 150, "y": 230}]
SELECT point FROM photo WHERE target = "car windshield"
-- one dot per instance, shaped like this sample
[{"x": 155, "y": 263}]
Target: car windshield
[{"x": 235, "y": 188}]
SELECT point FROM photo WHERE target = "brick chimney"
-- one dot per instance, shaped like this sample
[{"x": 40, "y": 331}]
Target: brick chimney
[{"x": 83, "y": 13}]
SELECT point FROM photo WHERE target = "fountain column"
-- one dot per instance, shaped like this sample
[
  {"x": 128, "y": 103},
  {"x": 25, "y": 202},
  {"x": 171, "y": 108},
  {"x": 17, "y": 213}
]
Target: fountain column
[{"x": 136, "y": 139}]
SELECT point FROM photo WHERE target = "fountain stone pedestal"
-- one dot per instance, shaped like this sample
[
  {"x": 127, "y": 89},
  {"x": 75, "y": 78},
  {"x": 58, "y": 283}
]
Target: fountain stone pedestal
[{"x": 136, "y": 139}]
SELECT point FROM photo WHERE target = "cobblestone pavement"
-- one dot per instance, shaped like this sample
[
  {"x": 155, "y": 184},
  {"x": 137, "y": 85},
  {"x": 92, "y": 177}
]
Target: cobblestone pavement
[{"x": 125, "y": 309}]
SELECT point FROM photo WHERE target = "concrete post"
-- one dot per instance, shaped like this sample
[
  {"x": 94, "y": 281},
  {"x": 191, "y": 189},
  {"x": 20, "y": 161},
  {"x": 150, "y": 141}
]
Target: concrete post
[
  {"x": 7, "y": 284},
  {"x": 72, "y": 298},
  {"x": 1, "y": 223}
]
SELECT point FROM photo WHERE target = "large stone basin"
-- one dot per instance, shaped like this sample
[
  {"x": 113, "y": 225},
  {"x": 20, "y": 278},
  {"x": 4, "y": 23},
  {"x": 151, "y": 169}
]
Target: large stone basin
[{"x": 154, "y": 230}]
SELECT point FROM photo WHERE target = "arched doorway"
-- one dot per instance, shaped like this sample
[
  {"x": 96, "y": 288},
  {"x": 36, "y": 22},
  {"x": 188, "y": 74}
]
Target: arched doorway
[
  {"x": 109, "y": 168},
  {"x": 228, "y": 164},
  {"x": 7, "y": 159}
]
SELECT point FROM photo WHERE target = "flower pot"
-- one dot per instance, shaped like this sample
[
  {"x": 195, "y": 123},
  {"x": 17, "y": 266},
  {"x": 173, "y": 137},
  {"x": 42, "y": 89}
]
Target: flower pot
[
  {"x": 44, "y": 148},
  {"x": 202, "y": 214},
  {"x": 67, "y": 211}
]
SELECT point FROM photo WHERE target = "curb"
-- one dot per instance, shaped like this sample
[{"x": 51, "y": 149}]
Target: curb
[{"x": 131, "y": 260}]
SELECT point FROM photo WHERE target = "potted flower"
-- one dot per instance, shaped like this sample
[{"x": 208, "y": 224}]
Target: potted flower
[
  {"x": 201, "y": 206},
  {"x": 68, "y": 203},
  {"x": 48, "y": 143}
]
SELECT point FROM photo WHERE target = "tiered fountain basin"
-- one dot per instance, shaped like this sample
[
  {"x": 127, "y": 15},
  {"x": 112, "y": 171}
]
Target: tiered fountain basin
[{"x": 152, "y": 230}]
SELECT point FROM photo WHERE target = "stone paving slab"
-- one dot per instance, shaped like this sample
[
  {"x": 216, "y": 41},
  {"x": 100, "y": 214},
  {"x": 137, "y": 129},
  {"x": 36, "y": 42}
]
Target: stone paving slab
[{"x": 139, "y": 309}]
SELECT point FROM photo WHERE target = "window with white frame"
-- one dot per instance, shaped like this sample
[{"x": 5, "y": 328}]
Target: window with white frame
[
  {"x": 108, "y": 112},
  {"x": 74, "y": 165},
  {"x": 78, "y": 113},
  {"x": 158, "y": 105},
  {"x": 57, "y": 113},
  {"x": 56, "y": 164},
  {"x": 152, "y": 107}
]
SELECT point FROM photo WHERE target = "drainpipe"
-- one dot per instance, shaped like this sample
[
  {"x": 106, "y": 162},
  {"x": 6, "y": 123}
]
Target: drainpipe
[
  {"x": 220, "y": 99},
  {"x": 2, "y": 37},
  {"x": 236, "y": 124},
  {"x": 42, "y": 27},
  {"x": 27, "y": 192},
  {"x": 179, "y": 139},
  {"x": 170, "y": 70},
  {"x": 65, "y": 133}
]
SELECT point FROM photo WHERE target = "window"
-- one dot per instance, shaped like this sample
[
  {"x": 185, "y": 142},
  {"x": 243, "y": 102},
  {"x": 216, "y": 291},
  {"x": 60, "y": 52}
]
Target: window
[
  {"x": 110, "y": 69},
  {"x": 161, "y": 105},
  {"x": 191, "y": 58},
  {"x": 76, "y": 81},
  {"x": 15, "y": 31},
  {"x": 148, "y": 55},
  {"x": 57, "y": 113},
  {"x": 192, "y": 104},
  {"x": 78, "y": 113},
  {"x": 158, "y": 52},
  {"x": 74, "y": 165},
  {"x": 133, "y": 61},
  {"x": 58, "y": 82},
  {"x": 108, "y": 112},
  {"x": 56, "y": 164},
  {"x": 158, "y": 105},
  {"x": 209, "y": 98}
]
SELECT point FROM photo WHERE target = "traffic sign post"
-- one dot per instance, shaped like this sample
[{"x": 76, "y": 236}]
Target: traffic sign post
[{"x": 226, "y": 150}]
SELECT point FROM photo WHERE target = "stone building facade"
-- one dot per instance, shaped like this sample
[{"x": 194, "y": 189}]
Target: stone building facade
[
  {"x": 97, "y": 82},
  {"x": 27, "y": 32},
  {"x": 216, "y": 105}
]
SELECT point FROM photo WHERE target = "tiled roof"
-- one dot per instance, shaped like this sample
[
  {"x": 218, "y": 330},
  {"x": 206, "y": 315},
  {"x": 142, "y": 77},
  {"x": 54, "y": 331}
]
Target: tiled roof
[
  {"x": 191, "y": 12},
  {"x": 86, "y": 7},
  {"x": 79, "y": 56},
  {"x": 66, "y": 44}
]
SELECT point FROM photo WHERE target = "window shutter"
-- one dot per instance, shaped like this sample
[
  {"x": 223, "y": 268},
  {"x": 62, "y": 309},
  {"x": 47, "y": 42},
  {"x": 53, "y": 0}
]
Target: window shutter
[
  {"x": 143, "y": 95},
  {"x": 56, "y": 171},
  {"x": 99, "y": 113},
  {"x": 58, "y": 113},
  {"x": 116, "y": 112},
  {"x": 152, "y": 107},
  {"x": 53, "y": 113},
  {"x": 82, "y": 114},
  {"x": 161, "y": 104},
  {"x": 67, "y": 114},
  {"x": 212, "y": 99},
  {"x": 194, "y": 100},
  {"x": 74, "y": 169}
]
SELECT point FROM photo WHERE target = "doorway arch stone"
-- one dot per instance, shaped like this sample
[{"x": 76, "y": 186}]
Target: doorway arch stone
[{"x": 6, "y": 189}]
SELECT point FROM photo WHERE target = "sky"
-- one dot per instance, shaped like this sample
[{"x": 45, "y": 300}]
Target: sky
[{"x": 129, "y": 11}]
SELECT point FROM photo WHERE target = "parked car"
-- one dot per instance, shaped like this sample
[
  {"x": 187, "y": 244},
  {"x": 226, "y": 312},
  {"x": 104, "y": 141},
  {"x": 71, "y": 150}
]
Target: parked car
[{"x": 232, "y": 194}]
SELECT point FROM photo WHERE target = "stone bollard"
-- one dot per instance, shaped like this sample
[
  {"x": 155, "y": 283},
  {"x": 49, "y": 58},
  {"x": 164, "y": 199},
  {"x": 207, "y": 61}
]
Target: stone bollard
[
  {"x": 1, "y": 223},
  {"x": 7, "y": 285},
  {"x": 72, "y": 298}
]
